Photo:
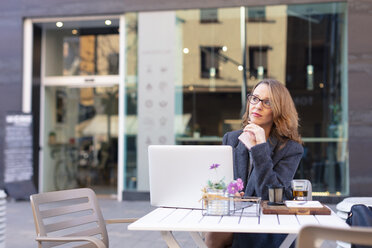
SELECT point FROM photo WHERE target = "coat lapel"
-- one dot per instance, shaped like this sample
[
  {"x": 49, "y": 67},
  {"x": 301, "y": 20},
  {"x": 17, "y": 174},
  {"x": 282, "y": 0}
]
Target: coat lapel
[{"x": 272, "y": 143}]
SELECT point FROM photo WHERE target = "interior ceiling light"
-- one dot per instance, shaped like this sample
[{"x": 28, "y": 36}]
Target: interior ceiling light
[
  {"x": 59, "y": 24},
  {"x": 74, "y": 31},
  {"x": 108, "y": 22},
  {"x": 224, "y": 48},
  {"x": 186, "y": 50}
]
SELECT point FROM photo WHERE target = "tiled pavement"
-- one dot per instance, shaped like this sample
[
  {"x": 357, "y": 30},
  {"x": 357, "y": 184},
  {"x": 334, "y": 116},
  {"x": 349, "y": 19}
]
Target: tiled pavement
[{"x": 20, "y": 230}]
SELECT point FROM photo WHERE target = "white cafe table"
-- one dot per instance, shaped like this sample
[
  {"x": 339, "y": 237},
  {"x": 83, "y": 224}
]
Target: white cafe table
[{"x": 167, "y": 220}]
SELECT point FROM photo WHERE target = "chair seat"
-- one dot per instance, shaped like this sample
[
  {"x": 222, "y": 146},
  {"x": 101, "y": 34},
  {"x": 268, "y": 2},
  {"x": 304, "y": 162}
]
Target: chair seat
[
  {"x": 341, "y": 244},
  {"x": 346, "y": 204},
  {"x": 343, "y": 215}
]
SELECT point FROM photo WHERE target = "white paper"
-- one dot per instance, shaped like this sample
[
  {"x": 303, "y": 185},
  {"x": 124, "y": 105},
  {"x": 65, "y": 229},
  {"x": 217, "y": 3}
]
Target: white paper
[{"x": 303, "y": 204}]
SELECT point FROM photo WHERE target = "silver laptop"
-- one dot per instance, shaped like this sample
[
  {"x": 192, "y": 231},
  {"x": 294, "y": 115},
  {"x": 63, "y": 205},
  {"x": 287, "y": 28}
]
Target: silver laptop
[{"x": 179, "y": 172}]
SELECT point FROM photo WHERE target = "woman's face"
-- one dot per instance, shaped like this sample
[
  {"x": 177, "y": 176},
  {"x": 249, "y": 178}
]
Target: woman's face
[{"x": 258, "y": 113}]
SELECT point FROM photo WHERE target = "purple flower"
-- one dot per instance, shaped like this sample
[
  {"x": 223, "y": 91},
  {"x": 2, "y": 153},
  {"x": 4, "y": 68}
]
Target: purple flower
[
  {"x": 214, "y": 166},
  {"x": 235, "y": 186},
  {"x": 232, "y": 188}
]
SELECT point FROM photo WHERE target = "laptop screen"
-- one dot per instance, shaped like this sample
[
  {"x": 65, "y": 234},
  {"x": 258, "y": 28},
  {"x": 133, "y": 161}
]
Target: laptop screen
[{"x": 178, "y": 173}]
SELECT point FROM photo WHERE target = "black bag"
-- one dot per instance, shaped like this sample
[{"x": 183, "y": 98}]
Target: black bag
[{"x": 360, "y": 215}]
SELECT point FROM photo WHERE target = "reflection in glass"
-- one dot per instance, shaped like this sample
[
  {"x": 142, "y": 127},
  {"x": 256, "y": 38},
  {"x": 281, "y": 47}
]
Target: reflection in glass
[
  {"x": 221, "y": 52},
  {"x": 89, "y": 55},
  {"x": 300, "y": 45},
  {"x": 80, "y": 49},
  {"x": 83, "y": 124},
  {"x": 131, "y": 30}
]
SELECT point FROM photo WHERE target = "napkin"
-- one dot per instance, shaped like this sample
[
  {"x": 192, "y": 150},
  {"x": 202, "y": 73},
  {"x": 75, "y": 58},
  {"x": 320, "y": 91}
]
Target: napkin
[{"x": 303, "y": 204}]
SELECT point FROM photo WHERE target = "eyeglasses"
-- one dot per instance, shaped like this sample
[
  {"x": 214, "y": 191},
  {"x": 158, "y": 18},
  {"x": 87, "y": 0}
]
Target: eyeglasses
[{"x": 255, "y": 100}]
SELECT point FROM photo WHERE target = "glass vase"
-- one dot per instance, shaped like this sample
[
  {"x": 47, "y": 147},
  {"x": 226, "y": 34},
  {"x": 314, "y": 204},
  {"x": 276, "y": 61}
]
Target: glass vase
[{"x": 218, "y": 202}]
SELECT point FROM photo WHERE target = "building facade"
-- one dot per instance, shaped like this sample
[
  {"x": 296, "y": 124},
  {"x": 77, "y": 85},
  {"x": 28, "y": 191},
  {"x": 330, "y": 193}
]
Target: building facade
[{"x": 103, "y": 80}]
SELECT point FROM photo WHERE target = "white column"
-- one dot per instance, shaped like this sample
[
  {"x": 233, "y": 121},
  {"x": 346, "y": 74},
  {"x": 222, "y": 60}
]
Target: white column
[
  {"x": 27, "y": 65},
  {"x": 156, "y": 79}
]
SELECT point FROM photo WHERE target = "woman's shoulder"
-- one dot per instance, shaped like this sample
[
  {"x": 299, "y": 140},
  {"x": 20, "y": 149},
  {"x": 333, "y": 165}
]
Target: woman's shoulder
[
  {"x": 293, "y": 146},
  {"x": 231, "y": 137},
  {"x": 233, "y": 134}
]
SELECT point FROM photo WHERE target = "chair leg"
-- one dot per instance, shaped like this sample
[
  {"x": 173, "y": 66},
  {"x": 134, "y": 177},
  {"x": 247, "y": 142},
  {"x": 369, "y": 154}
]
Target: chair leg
[
  {"x": 288, "y": 240},
  {"x": 198, "y": 239}
]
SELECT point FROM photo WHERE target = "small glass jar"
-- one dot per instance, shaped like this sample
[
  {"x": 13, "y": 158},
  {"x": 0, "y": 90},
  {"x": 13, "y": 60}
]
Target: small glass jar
[{"x": 218, "y": 202}]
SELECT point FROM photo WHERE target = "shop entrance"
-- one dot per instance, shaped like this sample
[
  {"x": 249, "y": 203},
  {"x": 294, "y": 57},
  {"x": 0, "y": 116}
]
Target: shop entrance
[
  {"x": 81, "y": 130},
  {"x": 80, "y": 105}
]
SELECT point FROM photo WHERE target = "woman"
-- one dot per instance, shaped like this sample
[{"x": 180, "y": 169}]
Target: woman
[{"x": 266, "y": 152}]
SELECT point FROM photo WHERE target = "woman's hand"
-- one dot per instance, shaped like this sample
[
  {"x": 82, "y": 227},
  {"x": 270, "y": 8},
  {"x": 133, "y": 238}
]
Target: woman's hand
[
  {"x": 239, "y": 194},
  {"x": 252, "y": 135},
  {"x": 248, "y": 139}
]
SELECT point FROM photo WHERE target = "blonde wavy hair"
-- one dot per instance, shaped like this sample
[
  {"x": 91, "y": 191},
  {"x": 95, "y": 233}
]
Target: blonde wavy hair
[{"x": 285, "y": 117}]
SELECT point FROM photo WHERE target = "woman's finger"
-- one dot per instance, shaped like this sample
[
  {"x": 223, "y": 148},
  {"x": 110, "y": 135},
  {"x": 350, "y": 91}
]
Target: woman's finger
[{"x": 250, "y": 128}]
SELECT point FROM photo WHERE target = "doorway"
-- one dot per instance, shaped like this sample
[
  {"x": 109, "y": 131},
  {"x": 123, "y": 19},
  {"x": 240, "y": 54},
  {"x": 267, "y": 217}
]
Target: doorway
[
  {"x": 81, "y": 126},
  {"x": 80, "y": 104}
]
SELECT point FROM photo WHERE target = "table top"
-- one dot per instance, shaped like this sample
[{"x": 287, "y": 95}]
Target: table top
[{"x": 193, "y": 220}]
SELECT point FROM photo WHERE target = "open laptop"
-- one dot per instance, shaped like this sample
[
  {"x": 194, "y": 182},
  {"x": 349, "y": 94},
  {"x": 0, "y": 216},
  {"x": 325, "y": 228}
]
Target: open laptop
[{"x": 179, "y": 172}]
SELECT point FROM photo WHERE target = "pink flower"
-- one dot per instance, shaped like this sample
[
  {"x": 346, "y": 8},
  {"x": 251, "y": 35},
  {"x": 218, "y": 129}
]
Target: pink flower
[{"x": 239, "y": 184}]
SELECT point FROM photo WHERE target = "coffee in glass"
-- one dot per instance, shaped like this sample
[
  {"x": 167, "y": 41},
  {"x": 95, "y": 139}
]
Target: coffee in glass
[{"x": 300, "y": 190}]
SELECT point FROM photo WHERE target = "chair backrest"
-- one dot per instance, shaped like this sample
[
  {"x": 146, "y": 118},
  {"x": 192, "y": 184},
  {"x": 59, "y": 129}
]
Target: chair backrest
[
  {"x": 309, "y": 236},
  {"x": 72, "y": 212},
  {"x": 309, "y": 187}
]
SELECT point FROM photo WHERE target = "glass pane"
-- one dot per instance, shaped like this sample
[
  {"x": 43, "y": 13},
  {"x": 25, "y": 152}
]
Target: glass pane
[
  {"x": 303, "y": 47},
  {"x": 208, "y": 99},
  {"x": 325, "y": 164},
  {"x": 81, "y": 135},
  {"x": 131, "y": 102},
  {"x": 222, "y": 53},
  {"x": 315, "y": 55},
  {"x": 82, "y": 48}
]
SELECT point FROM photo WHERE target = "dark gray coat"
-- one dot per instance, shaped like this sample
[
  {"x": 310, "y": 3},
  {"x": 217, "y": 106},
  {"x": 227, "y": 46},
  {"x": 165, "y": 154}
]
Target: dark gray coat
[{"x": 272, "y": 164}]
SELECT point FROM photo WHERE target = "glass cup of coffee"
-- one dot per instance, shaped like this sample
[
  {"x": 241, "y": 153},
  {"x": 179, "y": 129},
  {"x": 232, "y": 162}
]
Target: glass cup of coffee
[{"x": 300, "y": 190}]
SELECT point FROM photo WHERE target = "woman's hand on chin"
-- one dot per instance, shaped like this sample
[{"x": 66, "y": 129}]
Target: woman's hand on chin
[
  {"x": 248, "y": 139},
  {"x": 252, "y": 135},
  {"x": 257, "y": 131}
]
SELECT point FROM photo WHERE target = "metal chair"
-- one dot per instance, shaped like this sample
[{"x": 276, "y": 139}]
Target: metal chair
[
  {"x": 70, "y": 216},
  {"x": 310, "y": 236}
]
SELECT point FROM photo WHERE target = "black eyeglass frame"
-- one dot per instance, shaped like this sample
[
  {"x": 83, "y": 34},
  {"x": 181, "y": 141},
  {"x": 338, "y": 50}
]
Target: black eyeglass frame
[{"x": 250, "y": 96}]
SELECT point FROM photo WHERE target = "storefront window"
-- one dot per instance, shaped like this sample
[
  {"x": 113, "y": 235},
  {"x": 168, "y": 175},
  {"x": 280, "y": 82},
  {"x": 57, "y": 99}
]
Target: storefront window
[
  {"x": 211, "y": 82},
  {"x": 131, "y": 125},
  {"x": 80, "y": 114},
  {"x": 86, "y": 48},
  {"x": 220, "y": 54},
  {"x": 81, "y": 138}
]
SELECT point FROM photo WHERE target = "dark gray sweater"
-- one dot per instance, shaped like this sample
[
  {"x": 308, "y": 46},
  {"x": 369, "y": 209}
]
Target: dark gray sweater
[{"x": 272, "y": 164}]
